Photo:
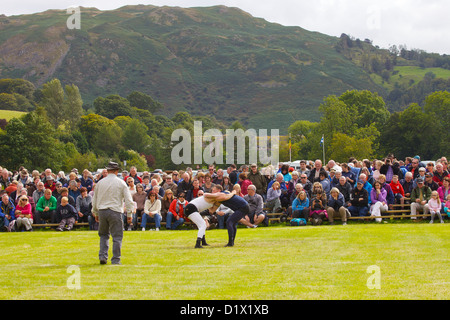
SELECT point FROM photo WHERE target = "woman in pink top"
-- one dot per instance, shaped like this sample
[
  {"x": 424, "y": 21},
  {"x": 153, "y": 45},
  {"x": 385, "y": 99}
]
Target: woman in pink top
[{"x": 24, "y": 214}]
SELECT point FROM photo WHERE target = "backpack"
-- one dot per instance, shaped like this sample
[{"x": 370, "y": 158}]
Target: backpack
[{"x": 298, "y": 222}]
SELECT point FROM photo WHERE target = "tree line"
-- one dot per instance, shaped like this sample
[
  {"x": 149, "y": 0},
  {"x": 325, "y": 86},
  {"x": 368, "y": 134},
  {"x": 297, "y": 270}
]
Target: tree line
[{"x": 57, "y": 132}]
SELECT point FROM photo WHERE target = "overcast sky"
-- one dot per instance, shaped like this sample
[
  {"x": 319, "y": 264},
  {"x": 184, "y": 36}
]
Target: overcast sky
[{"x": 418, "y": 24}]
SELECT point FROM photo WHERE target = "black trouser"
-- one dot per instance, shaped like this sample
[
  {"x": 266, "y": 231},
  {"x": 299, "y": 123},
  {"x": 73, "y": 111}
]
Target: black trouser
[
  {"x": 233, "y": 220},
  {"x": 301, "y": 214},
  {"x": 46, "y": 215}
]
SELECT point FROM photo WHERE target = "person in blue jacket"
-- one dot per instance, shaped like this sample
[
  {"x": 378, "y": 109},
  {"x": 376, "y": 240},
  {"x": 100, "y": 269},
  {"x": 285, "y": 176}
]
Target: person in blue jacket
[{"x": 7, "y": 212}]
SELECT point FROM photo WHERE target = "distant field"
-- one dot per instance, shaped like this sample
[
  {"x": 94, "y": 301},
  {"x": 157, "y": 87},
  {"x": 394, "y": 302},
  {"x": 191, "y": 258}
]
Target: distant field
[
  {"x": 9, "y": 114},
  {"x": 365, "y": 261}
]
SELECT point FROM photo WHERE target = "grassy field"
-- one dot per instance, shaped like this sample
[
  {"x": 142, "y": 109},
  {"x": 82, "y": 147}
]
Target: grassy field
[
  {"x": 267, "y": 263},
  {"x": 9, "y": 114}
]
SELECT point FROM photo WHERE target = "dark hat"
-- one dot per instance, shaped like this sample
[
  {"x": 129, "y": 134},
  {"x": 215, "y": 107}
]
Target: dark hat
[
  {"x": 112, "y": 166},
  {"x": 429, "y": 174},
  {"x": 419, "y": 180},
  {"x": 361, "y": 181}
]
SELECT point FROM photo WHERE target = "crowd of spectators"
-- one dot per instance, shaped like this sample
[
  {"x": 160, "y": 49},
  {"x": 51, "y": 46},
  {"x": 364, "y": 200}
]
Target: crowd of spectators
[{"x": 314, "y": 192}]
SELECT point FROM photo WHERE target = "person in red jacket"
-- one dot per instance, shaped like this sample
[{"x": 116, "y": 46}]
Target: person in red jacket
[
  {"x": 176, "y": 211},
  {"x": 244, "y": 182},
  {"x": 397, "y": 189}
]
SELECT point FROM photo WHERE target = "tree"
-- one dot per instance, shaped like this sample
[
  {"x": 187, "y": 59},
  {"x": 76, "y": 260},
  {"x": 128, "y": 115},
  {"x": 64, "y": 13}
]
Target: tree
[
  {"x": 113, "y": 106},
  {"x": 62, "y": 107},
  {"x": 53, "y": 101},
  {"x": 143, "y": 101}
]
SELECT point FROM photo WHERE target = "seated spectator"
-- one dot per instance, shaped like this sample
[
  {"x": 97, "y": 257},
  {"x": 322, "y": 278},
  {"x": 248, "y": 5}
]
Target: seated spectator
[
  {"x": 39, "y": 192},
  {"x": 134, "y": 175},
  {"x": 24, "y": 214},
  {"x": 46, "y": 208},
  {"x": 7, "y": 213},
  {"x": 83, "y": 205},
  {"x": 223, "y": 212},
  {"x": 256, "y": 204},
  {"x": 152, "y": 211},
  {"x": 389, "y": 170},
  {"x": 429, "y": 182},
  {"x": 273, "y": 203},
  {"x": 193, "y": 193},
  {"x": 419, "y": 198},
  {"x": 367, "y": 184},
  {"x": 74, "y": 191},
  {"x": 166, "y": 201},
  {"x": 407, "y": 184},
  {"x": 379, "y": 204},
  {"x": 335, "y": 181},
  {"x": 444, "y": 190},
  {"x": 318, "y": 205},
  {"x": 300, "y": 206},
  {"x": 439, "y": 174},
  {"x": 185, "y": 185},
  {"x": 50, "y": 183},
  {"x": 303, "y": 169},
  {"x": 68, "y": 215},
  {"x": 359, "y": 200},
  {"x": 345, "y": 188},
  {"x": 86, "y": 180},
  {"x": 434, "y": 205},
  {"x": 169, "y": 184},
  {"x": 226, "y": 184},
  {"x": 307, "y": 185},
  {"x": 176, "y": 211},
  {"x": 325, "y": 182},
  {"x": 314, "y": 173},
  {"x": 336, "y": 206},
  {"x": 397, "y": 189},
  {"x": 244, "y": 182},
  {"x": 61, "y": 177},
  {"x": 285, "y": 172},
  {"x": 421, "y": 175},
  {"x": 390, "y": 199},
  {"x": 348, "y": 174}
]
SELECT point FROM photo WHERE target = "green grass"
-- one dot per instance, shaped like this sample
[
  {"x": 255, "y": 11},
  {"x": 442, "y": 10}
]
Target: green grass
[
  {"x": 278, "y": 262},
  {"x": 9, "y": 114}
]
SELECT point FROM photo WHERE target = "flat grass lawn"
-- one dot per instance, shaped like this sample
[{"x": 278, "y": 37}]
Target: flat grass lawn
[{"x": 411, "y": 261}]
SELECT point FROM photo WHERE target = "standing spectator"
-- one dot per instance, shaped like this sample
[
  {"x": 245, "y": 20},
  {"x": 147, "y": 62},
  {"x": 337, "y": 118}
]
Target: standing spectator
[
  {"x": 419, "y": 198},
  {"x": 139, "y": 197},
  {"x": 218, "y": 179},
  {"x": 257, "y": 180},
  {"x": 107, "y": 204},
  {"x": 233, "y": 174},
  {"x": 83, "y": 204},
  {"x": 24, "y": 214},
  {"x": 169, "y": 184},
  {"x": 7, "y": 213},
  {"x": 303, "y": 169}
]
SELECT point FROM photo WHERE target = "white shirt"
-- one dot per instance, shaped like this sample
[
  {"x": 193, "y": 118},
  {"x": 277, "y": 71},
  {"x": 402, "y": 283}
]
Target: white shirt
[
  {"x": 110, "y": 193},
  {"x": 201, "y": 203}
]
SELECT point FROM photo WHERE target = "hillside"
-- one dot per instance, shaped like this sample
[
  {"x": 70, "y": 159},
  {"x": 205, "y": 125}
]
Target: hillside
[{"x": 216, "y": 61}]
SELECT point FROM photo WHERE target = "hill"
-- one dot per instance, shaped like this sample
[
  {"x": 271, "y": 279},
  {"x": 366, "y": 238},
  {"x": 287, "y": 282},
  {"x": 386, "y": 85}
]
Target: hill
[{"x": 217, "y": 61}]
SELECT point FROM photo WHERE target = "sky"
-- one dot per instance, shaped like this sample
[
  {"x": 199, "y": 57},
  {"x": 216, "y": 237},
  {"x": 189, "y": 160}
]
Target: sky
[{"x": 416, "y": 24}]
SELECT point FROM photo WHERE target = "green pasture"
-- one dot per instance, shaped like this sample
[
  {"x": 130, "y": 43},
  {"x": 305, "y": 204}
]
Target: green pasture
[
  {"x": 9, "y": 114},
  {"x": 359, "y": 261}
]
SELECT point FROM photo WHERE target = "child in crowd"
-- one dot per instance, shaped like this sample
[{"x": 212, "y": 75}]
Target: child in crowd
[
  {"x": 447, "y": 206},
  {"x": 68, "y": 215},
  {"x": 318, "y": 211},
  {"x": 434, "y": 204},
  {"x": 397, "y": 189}
]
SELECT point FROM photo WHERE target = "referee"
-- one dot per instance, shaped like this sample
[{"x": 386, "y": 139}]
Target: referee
[{"x": 107, "y": 206}]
